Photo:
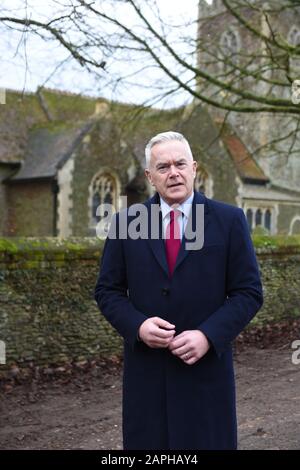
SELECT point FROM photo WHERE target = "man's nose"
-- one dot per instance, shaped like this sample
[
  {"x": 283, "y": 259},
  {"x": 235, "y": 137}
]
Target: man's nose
[{"x": 173, "y": 171}]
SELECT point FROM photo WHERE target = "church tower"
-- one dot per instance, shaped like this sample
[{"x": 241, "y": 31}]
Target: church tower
[{"x": 234, "y": 55}]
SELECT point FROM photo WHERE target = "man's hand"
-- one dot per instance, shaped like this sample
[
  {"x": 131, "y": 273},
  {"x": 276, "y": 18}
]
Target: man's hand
[
  {"x": 156, "y": 332},
  {"x": 190, "y": 346}
]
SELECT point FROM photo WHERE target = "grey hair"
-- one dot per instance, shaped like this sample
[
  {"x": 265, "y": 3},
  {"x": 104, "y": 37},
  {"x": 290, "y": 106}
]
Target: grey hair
[{"x": 164, "y": 137}]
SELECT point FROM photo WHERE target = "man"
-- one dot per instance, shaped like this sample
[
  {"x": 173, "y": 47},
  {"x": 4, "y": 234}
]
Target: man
[{"x": 178, "y": 310}]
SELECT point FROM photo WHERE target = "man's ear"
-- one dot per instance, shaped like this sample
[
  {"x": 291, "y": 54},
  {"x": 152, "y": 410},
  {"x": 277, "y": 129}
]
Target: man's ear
[
  {"x": 195, "y": 164},
  {"x": 148, "y": 176}
]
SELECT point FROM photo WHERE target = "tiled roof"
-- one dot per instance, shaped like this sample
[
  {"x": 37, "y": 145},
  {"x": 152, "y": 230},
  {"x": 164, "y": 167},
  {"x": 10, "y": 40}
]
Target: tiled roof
[
  {"x": 24, "y": 111},
  {"x": 245, "y": 164},
  {"x": 48, "y": 148}
]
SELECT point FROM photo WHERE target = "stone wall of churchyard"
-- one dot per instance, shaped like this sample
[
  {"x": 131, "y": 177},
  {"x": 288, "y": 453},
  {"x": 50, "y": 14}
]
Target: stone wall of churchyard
[{"x": 48, "y": 314}]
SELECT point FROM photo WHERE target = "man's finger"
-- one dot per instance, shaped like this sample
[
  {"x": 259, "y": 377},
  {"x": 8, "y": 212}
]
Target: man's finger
[
  {"x": 163, "y": 343},
  {"x": 163, "y": 323},
  {"x": 177, "y": 343},
  {"x": 160, "y": 333},
  {"x": 183, "y": 334},
  {"x": 179, "y": 351}
]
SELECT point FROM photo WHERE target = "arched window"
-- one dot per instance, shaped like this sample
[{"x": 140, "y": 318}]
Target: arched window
[
  {"x": 103, "y": 190},
  {"x": 230, "y": 46},
  {"x": 96, "y": 201},
  {"x": 268, "y": 220},
  {"x": 295, "y": 226},
  {"x": 261, "y": 219},
  {"x": 249, "y": 216},
  {"x": 203, "y": 182},
  {"x": 258, "y": 217}
]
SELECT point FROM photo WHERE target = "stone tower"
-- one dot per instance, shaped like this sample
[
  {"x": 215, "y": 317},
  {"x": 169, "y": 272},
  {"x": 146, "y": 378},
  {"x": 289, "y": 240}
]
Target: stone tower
[{"x": 221, "y": 35}]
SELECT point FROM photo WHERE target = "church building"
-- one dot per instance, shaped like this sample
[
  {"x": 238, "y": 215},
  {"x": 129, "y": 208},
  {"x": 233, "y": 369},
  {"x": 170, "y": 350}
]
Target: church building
[{"x": 61, "y": 155}]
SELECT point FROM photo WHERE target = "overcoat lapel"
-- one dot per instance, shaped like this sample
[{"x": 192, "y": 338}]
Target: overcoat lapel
[
  {"x": 155, "y": 240},
  {"x": 183, "y": 252},
  {"x": 158, "y": 244}
]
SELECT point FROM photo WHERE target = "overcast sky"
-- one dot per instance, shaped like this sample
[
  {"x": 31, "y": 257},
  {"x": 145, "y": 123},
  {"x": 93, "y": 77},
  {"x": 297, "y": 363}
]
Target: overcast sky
[{"x": 16, "y": 50}]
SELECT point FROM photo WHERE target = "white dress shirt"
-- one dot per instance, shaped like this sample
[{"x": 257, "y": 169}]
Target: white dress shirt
[{"x": 184, "y": 208}]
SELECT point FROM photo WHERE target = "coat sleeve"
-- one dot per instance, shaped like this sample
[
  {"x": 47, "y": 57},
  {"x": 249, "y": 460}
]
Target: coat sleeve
[
  {"x": 243, "y": 288},
  {"x": 111, "y": 292}
]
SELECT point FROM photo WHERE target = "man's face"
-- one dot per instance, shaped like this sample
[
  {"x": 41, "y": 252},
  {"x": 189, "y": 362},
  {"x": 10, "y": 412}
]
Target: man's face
[{"x": 172, "y": 171}]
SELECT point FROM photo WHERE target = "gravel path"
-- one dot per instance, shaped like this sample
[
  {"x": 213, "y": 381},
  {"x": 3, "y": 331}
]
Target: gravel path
[{"x": 85, "y": 412}]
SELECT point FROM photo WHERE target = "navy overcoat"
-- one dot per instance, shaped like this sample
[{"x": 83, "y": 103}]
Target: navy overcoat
[{"x": 168, "y": 404}]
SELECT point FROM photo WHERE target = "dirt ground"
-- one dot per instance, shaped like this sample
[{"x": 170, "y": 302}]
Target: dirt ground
[{"x": 84, "y": 411}]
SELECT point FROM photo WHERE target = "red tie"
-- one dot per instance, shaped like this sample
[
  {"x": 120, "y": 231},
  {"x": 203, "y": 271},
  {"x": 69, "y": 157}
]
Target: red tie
[{"x": 173, "y": 240}]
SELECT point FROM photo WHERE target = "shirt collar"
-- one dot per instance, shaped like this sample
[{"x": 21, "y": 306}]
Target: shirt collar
[{"x": 184, "y": 207}]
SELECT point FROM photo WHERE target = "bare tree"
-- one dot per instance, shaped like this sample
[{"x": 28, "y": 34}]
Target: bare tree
[
  {"x": 128, "y": 43},
  {"x": 94, "y": 33}
]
